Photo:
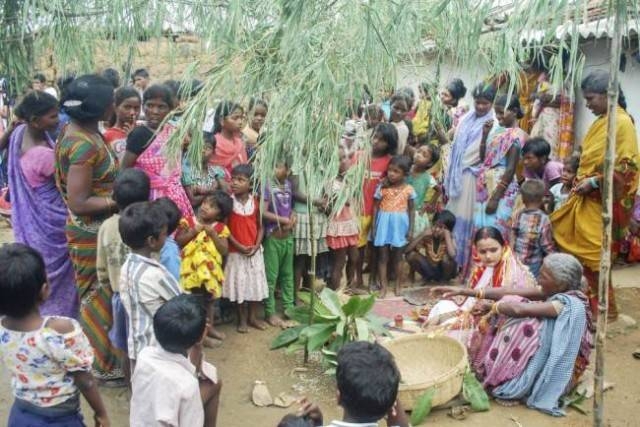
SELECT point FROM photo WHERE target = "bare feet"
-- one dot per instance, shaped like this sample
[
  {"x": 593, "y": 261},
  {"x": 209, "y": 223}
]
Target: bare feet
[
  {"x": 243, "y": 329},
  {"x": 211, "y": 343},
  {"x": 258, "y": 324},
  {"x": 274, "y": 320},
  {"x": 216, "y": 334}
]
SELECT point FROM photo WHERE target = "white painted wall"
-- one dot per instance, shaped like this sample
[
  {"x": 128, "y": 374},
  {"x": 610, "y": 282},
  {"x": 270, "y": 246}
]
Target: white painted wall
[{"x": 597, "y": 56}]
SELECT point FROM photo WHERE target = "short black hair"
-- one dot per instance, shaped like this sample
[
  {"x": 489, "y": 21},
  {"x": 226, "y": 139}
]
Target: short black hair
[
  {"x": 179, "y": 324},
  {"x": 388, "y": 133},
  {"x": 22, "y": 275},
  {"x": 131, "y": 186},
  {"x": 291, "y": 420},
  {"x": 125, "y": 92},
  {"x": 112, "y": 75},
  {"x": 39, "y": 77},
  {"x": 435, "y": 152},
  {"x": 400, "y": 96},
  {"x": 368, "y": 380},
  {"x": 222, "y": 200},
  {"x": 513, "y": 105},
  {"x": 573, "y": 162},
  {"x": 142, "y": 72},
  {"x": 162, "y": 92},
  {"x": 447, "y": 218},
  {"x": 140, "y": 221},
  {"x": 403, "y": 162},
  {"x": 171, "y": 211},
  {"x": 244, "y": 169},
  {"x": 537, "y": 146},
  {"x": 36, "y": 104},
  {"x": 532, "y": 190},
  {"x": 484, "y": 91}
]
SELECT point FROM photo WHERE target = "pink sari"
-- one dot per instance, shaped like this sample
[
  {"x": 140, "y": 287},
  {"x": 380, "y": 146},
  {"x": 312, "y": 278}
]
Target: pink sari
[{"x": 164, "y": 173}]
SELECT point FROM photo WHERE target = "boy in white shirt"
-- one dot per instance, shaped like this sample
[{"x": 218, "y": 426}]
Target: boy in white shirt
[{"x": 171, "y": 385}]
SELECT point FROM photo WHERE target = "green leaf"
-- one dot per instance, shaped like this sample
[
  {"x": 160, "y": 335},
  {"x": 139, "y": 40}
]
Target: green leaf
[
  {"x": 305, "y": 297},
  {"x": 286, "y": 337},
  {"x": 422, "y": 407},
  {"x": 331, "y": 301},
  {"x": 351, "y": 306},
  {"x": 340, "y": 327},
  {"x": 317, "y": 335},
  {"x": 473, "y": 392},
  {"x": 295, "y": 347},
  {"x": 362, "y": 327},
  {"x": 366, "y": 304},
  {"x": 300, "y": 314},
  {"x": 377, "y": 325}
]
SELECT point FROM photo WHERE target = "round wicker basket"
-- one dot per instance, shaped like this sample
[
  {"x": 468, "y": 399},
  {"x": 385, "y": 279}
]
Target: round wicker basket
[{"x": 425, "y": 362}]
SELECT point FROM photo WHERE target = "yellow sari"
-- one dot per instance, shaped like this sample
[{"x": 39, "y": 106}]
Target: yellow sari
[{"x": 577, "y": 226}]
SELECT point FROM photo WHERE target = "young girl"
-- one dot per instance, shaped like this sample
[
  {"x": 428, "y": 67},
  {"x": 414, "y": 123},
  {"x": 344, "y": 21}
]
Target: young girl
[
  {"x": 393, "y": 220},
  {"x": 342, "y": 232},
  {"x": 49, "y": 358},
  {"x": 383, "y": 145},
  {"x": 424, "y": 184},
  {"x": 204, "y": 245},
  {"x": 562, "y": 190},
  {"x": 230, "y": 149},
  {"x": 127, "y": 101},
  {"x": 258, "y": 110},
  {"x": 200, "y": 183},
  {"x": 245, "y": 278}
]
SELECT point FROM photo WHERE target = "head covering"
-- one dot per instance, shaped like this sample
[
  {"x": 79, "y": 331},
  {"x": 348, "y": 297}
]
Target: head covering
[
  {"x": 456, "y": 88},
  {"x": 88, "y": 97}
]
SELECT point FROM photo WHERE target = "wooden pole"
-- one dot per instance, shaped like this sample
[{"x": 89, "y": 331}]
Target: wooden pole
[
  {"x": 314, "y": 256},
  {"x": 604, "y": 280}
]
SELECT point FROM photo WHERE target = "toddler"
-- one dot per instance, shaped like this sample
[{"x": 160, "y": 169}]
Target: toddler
[
  {"x": 203, "y": 249},
  {"x": 531, "y": 236},
  {"x": 424, "y": 184},
  {"x": 245, "y": 278},
  {"x": 393, "y": 220},
  {"x": 199, "y": 183},
  {"x": 562, "y": 190},
  {"x": 399, "y": 109},
  {"x": 170, "y": 253},
  {"x": 279, "y": 220},
  {"x": 438, "y": 262},
  {"x": 49, "y": 358}
]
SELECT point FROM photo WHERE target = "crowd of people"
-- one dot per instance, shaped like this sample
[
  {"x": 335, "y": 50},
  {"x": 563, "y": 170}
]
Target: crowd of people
[{"x": 126, "y": 248}]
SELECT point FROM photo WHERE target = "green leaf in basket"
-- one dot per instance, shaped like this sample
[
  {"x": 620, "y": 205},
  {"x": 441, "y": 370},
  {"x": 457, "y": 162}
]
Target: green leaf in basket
[
  {"x": 473, "y": 392},
  {"x": 422, "y": 406}
]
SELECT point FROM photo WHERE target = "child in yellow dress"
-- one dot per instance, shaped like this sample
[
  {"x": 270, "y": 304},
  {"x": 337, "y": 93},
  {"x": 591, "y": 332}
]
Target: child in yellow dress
[{"x": 203, "y": 247}]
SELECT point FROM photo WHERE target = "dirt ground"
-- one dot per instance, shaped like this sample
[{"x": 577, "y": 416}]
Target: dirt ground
[{"x": 243, "y": 359}]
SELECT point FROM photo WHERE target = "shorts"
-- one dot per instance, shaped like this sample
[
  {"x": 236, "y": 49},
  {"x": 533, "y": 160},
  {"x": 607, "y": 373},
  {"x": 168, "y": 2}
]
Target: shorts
[{"x": 120, "y": 326}]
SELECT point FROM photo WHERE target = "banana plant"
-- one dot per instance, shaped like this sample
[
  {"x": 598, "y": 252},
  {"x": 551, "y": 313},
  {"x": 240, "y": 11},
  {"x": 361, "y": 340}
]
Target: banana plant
[{"x": 335, "y": 324}]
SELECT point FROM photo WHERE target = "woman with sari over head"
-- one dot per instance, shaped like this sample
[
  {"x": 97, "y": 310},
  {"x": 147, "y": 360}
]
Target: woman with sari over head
[
  {"x": 38, "y": 210},
  {"x": 85, "y": 171},
  {"x": 577, "y": 225},
  {"x": 460, "y": 178},
  {"x": 495, "y": 266},
  {"x": 451, "y": 97},
  {"x": 534, "y": 344},
  {"x": 147, "y": 149},
  {"x": 496, "y": 185}
]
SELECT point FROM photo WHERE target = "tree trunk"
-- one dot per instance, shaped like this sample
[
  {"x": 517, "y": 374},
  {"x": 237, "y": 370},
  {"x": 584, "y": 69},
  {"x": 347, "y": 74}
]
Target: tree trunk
[{"x": 619, "y": 7}]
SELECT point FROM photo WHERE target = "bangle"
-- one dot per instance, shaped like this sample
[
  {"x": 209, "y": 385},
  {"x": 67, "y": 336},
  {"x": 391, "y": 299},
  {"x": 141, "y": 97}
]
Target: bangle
[
  {"x": 594, "y": 182},
  {"x": 109, "y": 203},
  {"x": 494, "y": 308},
  {"x": 480, "y": 293}
]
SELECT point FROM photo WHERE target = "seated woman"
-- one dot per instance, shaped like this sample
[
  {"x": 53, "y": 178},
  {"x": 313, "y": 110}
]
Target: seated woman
[
  {"x": 495, "y": 266},
  {"x": 534, "y": 343}
]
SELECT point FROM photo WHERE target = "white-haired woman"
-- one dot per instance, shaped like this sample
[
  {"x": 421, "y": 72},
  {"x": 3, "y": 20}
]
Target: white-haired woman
[{"x": 534, "y": 343}]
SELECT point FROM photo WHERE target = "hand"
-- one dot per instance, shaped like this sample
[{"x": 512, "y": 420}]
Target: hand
[
  {"x": 583, "y": 188},
  {"x": 428, "y": 232},
  {"x": 128, "y": 126},
  {"x": 492, "y": 206},
  {"x": 101, "y": 420},
  {"x": 481, "y": 307},
  {"x": 486, "y": 128},
  {"x": 292, "y": 220},
  {"x": 199, "y": 227},
  {"x": 310, "y": 411},
  {"x": 447, "y": 291},
  {"x": 253, "y": 249}
]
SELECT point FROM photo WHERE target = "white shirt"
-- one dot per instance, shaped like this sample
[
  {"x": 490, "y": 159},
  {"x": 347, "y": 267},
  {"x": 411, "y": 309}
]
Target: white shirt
[
  {"x": 165, "y": 391},
  {"x": 403, "y": 136}
]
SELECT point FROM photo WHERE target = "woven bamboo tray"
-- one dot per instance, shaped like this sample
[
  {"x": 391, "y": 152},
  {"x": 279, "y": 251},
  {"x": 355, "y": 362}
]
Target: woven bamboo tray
[{"x": 425, "y": 362}]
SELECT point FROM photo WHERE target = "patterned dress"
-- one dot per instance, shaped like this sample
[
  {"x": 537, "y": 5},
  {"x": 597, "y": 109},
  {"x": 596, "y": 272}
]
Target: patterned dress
[
  {"x": 81, "y": 148},
  {"x": 392, "y": 218}
]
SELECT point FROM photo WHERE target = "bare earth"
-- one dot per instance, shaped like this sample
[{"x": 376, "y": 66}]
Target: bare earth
[{"x": 243, "y": 359}]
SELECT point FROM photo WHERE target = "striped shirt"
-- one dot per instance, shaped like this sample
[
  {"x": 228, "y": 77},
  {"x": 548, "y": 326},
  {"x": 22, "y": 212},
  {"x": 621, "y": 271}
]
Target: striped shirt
[{"x": 145, "y": 285}]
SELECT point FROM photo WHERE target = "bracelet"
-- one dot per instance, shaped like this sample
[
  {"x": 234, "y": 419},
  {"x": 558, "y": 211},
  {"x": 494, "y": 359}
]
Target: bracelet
[
  {"x": 494, "y": 308},
  {"x": 594, "y": 182},
  {"x": 109, "y": 203},
  {"x": 480, "y": 293},
  {"x": 497, "y": 304}
]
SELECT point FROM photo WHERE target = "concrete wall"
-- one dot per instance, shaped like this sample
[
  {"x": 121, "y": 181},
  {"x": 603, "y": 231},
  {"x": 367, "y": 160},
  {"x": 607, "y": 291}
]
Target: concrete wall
[{"x": 597, "y": 56}]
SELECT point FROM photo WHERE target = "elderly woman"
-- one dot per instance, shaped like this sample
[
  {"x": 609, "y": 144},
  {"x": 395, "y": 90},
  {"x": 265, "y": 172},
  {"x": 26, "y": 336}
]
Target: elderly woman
[
  {"x": 577, "y": 225},
  {"x": 85, "y": 171},
  {"x": 534, "y": 343}
]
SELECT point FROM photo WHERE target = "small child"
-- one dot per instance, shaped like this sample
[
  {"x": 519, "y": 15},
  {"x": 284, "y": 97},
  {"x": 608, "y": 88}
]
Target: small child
[
  {"x": 145, "y": 284},
  {"x": 424, "y": 183},
  {"x": 245, "y": 278},
  {"x": 170, "y": 252},
  {"x": 342, "y": 232},
  {"x": 203, "y": 182},
  {"x": 367, "y": 378},
  {"x": 131, "y": 186},
  {"x": 203, "y": 249},
  {"x": 172, "y": 384},
  {"x": 393, "y": 220},
  {"x": 383, "y": 144},
  {"x": 279, "y": 220},
  {"x": 562, "y": 190},
  {"x": 535, "y": 158},
  {"x": 49, "y": 358},
  {"x": 439, "y": 261},
  {"x": 531, "y": 233},
  {"x": 399, "y": 110}
]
